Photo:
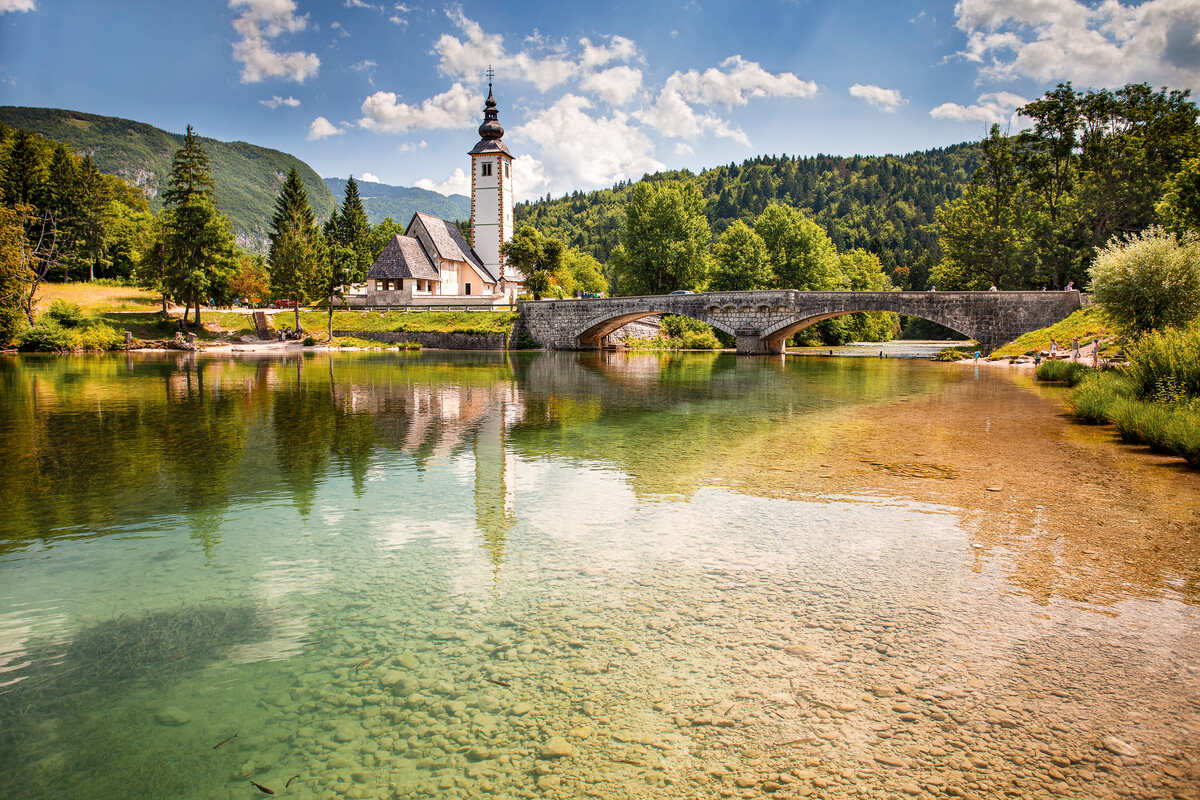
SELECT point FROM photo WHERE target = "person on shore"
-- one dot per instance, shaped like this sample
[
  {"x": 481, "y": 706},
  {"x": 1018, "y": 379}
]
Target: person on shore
[
  {"x": 1070, "y": 287},
  {"x": 1096, "y": 353},
  {"x": 1075, "y": 349},
  {"x": 977, "y": 354},
  {"x": 932, "y": 288},
  {"x": 1037, "y": 359},
  {"x": 1053, "y": 348},
  {"x": 993, "y": 288}
]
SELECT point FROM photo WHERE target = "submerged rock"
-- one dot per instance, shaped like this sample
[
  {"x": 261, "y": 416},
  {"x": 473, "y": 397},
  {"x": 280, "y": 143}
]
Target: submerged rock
[
  {"x": 172, "y": 716},
  {"x": 557, "y": 747}
]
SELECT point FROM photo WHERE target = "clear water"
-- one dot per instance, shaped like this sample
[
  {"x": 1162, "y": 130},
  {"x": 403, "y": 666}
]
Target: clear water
[{"x": 614, "y": 576}]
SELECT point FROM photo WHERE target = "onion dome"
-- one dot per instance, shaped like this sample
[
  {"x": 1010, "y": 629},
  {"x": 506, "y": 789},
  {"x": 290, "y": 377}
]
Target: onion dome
[{"x": 491, "y": 127}]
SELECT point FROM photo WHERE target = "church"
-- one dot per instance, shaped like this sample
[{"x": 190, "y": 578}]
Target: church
[{"x": 432, "y": 264}]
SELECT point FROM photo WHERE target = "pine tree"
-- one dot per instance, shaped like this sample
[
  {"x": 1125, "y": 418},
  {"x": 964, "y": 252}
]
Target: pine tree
[
  {"x": 353, "y": 231},
  {"x": 295, "y": 259}
]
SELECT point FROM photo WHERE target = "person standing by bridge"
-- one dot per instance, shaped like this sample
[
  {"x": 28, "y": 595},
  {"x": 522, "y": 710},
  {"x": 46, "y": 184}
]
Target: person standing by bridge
[
  {"x": 1053, "y": 348},
  {"x": 1075, "y": 349}
]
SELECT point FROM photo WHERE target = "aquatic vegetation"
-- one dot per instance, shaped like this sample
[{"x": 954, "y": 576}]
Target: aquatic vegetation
[{"x": 1068, "y": 372}]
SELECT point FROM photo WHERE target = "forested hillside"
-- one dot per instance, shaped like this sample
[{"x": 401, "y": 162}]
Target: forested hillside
[
  {"x": 883, "y": 204},
  {"x": 247, "y": 177},
  {"x": 382, "y": 200}
]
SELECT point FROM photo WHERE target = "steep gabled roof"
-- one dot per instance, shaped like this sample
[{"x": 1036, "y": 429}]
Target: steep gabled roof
[
  {"x": 449, "y": 242},
  {"x": 403, "y": 257}
]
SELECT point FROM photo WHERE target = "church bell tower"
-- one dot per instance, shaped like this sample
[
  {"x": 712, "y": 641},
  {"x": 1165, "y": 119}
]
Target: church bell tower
[{"x": 492, "y": 197}]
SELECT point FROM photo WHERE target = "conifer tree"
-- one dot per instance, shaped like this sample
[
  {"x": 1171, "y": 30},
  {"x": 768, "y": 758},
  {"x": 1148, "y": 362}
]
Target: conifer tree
[
  {"x": 295, "y": 259},
  {"x": 352, "y": 230},
  {"x": 198, "y": 244}
]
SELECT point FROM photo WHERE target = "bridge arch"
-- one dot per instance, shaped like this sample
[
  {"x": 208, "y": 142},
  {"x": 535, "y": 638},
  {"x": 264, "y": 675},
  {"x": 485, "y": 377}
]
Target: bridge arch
[
  {"x": 776, "y": 336},
  {"x": 596, "y": 329}
]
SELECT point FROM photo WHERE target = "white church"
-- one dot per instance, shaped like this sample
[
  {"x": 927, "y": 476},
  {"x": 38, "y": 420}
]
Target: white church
[{"x": 432, "y": 264}]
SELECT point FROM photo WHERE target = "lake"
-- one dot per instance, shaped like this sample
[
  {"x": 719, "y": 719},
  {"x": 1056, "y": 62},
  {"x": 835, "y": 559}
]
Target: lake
[{"x": 556, "y": 575}]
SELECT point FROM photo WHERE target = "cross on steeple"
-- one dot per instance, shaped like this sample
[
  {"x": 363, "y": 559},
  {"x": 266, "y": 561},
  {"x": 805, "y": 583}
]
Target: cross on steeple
[{"x": 491, "y": 73}]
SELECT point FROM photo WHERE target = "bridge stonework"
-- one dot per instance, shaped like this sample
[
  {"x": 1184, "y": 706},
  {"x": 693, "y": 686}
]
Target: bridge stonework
[{"x": 762, "y": 321}]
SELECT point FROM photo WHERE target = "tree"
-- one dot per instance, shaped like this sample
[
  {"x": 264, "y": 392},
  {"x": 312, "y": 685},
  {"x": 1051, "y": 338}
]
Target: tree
[
  {"x": 1179, "y": 208},
  {"x": 197, "y": 243},
  {"x": 1148, "y": 280},
  {"x": 664, "y": 239},
  {"x": 384, "y": 232},
  {"x": 863, "y": 272},
  {"x": 539, "y": 258},
  {"x": 336, "y": 264},
  {"x": 984, "y": 234},
  {"x": 581, "y": 273},
  {"x": 296, "y": 257},
  {"x": 799, "y": 251},
  {"x": 13, "y": 273},
  {"x": 349, "y": 227},
  {"x": 250, "y": 280},
  {"x": 740, "y": 261}
]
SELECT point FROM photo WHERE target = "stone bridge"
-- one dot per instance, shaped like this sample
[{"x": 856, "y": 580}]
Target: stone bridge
[{"x": 762, "y": 321}]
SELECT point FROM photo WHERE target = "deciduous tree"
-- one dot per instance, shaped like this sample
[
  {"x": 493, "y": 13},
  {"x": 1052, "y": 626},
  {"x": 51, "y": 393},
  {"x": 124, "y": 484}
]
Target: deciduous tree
[
  {"x": 740, "y": 261},
  {"x": 664, "y": 240}
]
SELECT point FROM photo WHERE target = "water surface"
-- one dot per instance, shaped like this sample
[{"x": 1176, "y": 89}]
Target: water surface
[{"x": 557, "y": 575}]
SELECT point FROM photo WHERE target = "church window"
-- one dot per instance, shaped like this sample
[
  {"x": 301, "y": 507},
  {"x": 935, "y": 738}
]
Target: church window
[
  {"x": 486, "y": 169},
  {"x": 468, "y": 288},
  {"x": 506, "y": 169}
]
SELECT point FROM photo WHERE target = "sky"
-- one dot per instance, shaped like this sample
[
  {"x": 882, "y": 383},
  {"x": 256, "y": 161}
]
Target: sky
[{"x": 589, "y": 93}]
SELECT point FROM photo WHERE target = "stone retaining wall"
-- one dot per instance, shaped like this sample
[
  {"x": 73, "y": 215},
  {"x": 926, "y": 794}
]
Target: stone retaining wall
[{"x": 435, "y": 339}]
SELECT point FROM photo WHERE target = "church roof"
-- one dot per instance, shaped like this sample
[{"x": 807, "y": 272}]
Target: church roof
[
  {"x": 489, "y": 146},
  {"x": 403, "y": 257},
  {"x": 449, "y": 242}
]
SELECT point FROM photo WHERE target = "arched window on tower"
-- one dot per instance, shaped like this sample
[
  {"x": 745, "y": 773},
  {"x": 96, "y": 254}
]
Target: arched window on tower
[{"x": 486, "y": 169}]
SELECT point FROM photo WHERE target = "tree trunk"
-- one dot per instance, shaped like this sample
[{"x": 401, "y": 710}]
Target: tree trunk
[
  {"x": 164, "y": 302},
  {"x": 331, "y": 317},
  {"x": 297, "y": 310},
  {"x": 197, "y": 311}
]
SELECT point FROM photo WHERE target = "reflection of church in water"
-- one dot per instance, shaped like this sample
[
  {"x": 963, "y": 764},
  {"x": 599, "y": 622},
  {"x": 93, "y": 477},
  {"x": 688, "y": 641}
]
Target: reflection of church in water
[{"x": 435, "y": 423}]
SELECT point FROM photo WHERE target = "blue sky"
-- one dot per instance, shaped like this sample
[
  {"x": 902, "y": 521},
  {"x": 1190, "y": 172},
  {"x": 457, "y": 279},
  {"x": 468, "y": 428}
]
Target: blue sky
[{"x": 589, "y": 93}]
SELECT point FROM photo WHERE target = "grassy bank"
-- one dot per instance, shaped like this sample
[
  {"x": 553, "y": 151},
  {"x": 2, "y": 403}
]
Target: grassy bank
[
  {"x": 1085, "y": 324},
  {"x": 476, "y": 322},
  {"x": 97, "y": 298},
  {"x": 1155, "y": 400}
]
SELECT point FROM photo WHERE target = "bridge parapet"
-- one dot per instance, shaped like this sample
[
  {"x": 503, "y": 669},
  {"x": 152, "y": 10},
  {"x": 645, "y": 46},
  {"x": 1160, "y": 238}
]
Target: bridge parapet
[{"x": 762, "y": 321}]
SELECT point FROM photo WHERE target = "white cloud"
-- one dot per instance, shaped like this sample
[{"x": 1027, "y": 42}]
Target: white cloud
[
  {"x": 529, "y": 178},
  {"x": 740, "y": 82},
  {"x": 618, "y": 49},
  {"x": 616, "y": 85},
  {"x": 322, "y": 128},
  {"x": 366, "y": 63},
  {"x": 582, "y": 148},
  {"x": 998, "y": 107},
  {"x": 886, "y": 99},
  {"x": 401, "y": 16},
  {"x": 684, "y": 149},
  {"x": 277, "y": 101},
  {"x": 454, "y": 108},
  {"x": 261, "y": 21},
  {"x": 370, "y": 177},
  {"x": 409, "y": 147},
  {"x": 1110, "y": 44},
  {"x": 361, "y": 4},
  {"x": 458, "y": 183},
  {"x": 17, "y": 5},
  {"x": 673, "y": 117}
]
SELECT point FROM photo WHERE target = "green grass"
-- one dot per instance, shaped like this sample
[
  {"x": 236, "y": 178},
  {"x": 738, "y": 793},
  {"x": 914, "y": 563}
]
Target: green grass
[
  {"x": 1068, "y": 372},
  {"x": 475, "y": 322},
  {"x": 96, "y": 297},
  {"x": 368, "y": 344},
  {"x": 1086, "y": 324},
  {"x": 955, "y": 354},
  {"x": 1167, "y": 427}
]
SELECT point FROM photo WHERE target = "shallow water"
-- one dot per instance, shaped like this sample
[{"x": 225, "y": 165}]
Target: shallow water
[{"x": 556, "y": 575}]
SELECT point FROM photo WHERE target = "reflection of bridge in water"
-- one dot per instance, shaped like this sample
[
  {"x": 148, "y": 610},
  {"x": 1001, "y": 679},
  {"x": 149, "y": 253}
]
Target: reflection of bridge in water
[{"x": 762, "y": 322}]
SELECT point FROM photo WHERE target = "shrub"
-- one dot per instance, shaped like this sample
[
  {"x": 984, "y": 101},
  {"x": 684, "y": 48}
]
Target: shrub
[
  {"x": 100, "y": 336},
  {"x": 67, "y": 315},
  {"x": 1165, "y": 365},
  {"x": 954, "y": 354},
  {"x": 45, "y": 336},
  {"x": 408, "y": 346},
  {"x": 1148, "y": 280},
  {"x": 1068, "y": 372},
  {"x": 309, "y": 341},
  {"x": 699, "y": 340}
]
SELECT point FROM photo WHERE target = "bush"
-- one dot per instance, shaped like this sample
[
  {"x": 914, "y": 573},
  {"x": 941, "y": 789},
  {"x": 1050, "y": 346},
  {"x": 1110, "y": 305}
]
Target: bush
[
  {"x": 954, "y": 354},
  {"x": 45, "y": 336},
  {"x": 67, "y": 315},
  {"x": 100, "y": 336},
  {"x": 309, "y": 342},
  {"x": 1149, "y": 280},
  {"x": 1165, "y": 365},
  {"x": 1068, "y": 372}
]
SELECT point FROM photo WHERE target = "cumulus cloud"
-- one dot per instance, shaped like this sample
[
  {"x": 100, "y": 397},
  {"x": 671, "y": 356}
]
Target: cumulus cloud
[
  {"x": 673, "y": 117},
  {"x": 618, "y": 48},
  {"x": 456, "y": 107},
  {"x": 615, "y": 85},
  {"x": 400, "y": 15},
  {"x": 458, "y": 183},
  {"x": 886, "y": 99},
  {"x": 1110, "y": 44},
  {"x": 736, "y": 83},
  {"x": 370, "y": 177},
  {"x": 529, "y": 178},
  {"x": 684, "y": 149},
  {"x": 322, "y": 128},
  {"x": 408, "y": 147},
  {"x": 365, "y": 64},
  {"x": 261, "y": 21},
  {"x": 582, "y": 148},
  {"x": 997, "y": 107},
  {"x": 277, "y": 101},
  {"x": 16, "y": 5}
]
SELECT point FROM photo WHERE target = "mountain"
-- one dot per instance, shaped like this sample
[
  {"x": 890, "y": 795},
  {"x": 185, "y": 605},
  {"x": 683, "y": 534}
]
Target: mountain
[
  {"x": 401, "y": 202},
  {"x": 883, "y": 204},
  {"x": 247, "y": 176}
]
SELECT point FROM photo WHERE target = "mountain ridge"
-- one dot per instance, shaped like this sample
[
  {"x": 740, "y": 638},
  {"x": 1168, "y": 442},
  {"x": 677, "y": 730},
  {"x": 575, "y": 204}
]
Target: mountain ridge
[{"x": 400, "y": 202}]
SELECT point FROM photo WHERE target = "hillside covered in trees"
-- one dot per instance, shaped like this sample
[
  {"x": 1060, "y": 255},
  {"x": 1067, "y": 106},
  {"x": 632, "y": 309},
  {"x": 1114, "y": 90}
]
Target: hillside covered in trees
[
  {"x": 247, "y": 177},
  {"x": 882, "y": 204},
  {"x": 382, "y": 200}
]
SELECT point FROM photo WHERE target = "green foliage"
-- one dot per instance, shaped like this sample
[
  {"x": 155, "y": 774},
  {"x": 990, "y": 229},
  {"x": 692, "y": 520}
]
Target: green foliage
[
  {"x": 13, "y": 275},
  {"x": 664, "y": 240},
  {"x": 1096, "y": 394},
  {"x": 301, "y": 264},
  {"x": 1063, "y": 371},
  {"x": 382, "y": 201},
  {"x": 1165, "y": 365},
  {"x": 801, "y": 254},
  {"x": 581, "y": 273},
  {"x": 954, "y": 354},
  {"x": 539, "y": 258},
  {"x": 1179, "y": 208},
  {"x": 1148, "y": 280},
  {"x": 1086, "y": 324},
  {"x": 679, "y": 333},
  {"x": 246, "y": 177},
  {"x": 67, "y": 315},
  {"x": 47, "y": 335},
  {"x": 350, "y": 229},
  {"x": 883, "y": 204},
  {"x": 1166, "y": 428},
  {"x": 740, "y": 261}
]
